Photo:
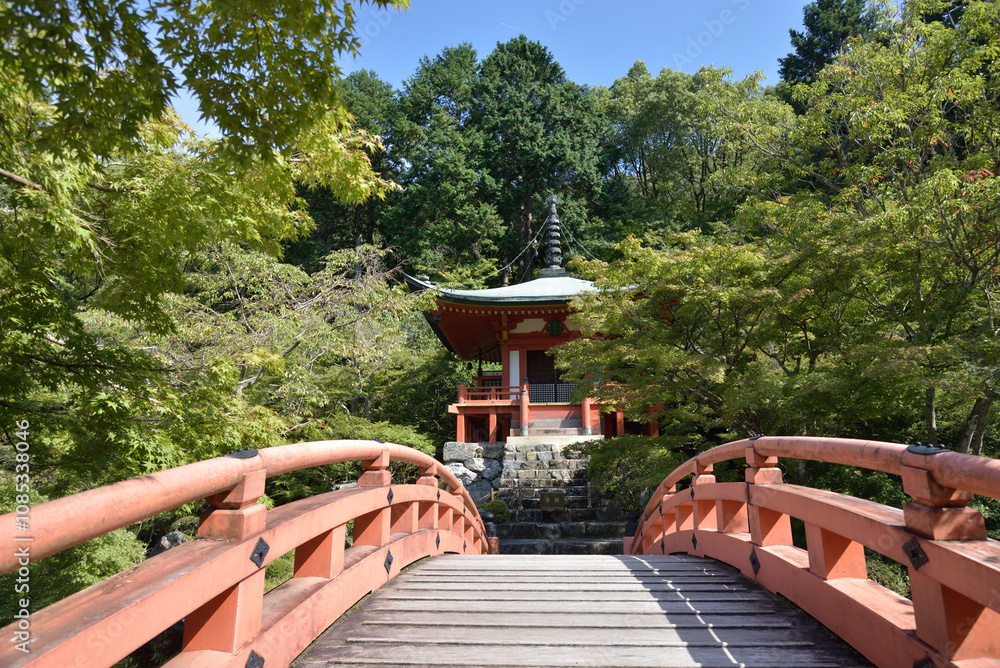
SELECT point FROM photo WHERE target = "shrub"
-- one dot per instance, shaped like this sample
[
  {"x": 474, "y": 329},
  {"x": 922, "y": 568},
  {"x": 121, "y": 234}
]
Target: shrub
[
  {"x": 499, "y": 508},
  {"x": 623, "y": 468}
]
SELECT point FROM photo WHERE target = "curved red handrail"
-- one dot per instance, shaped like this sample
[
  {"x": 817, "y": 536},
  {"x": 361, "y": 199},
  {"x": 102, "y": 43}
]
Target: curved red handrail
[
  {"x": 216, "y": 584},
  {"x": 56, "y": 524},
  {"x": 978, "y": 475},
  {"x": 953, "y": 618}
]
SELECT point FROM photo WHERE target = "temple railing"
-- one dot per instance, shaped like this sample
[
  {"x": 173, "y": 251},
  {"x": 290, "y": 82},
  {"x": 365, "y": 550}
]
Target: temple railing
[
  {"x": 502, "y": 394},
  {"x": 953, "y": 615},
  {"x": 216, "y": 583}
]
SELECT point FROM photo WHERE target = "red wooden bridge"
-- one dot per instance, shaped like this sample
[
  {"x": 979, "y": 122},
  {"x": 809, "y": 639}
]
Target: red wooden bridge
[{"x": 647, "y": 608}]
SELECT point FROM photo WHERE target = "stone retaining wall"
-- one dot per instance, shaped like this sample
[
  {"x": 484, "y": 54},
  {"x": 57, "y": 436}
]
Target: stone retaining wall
[{"x": 477, "y": 465}]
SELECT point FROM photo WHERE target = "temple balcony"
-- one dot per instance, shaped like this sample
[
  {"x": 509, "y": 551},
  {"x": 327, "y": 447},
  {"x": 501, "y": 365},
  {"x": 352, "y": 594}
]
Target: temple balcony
[{"x": 491, "y": 412}]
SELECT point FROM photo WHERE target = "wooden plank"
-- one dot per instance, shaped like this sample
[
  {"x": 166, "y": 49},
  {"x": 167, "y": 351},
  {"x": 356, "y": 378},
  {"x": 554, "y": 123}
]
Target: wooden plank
[
  {"x": 555, "y": 606},
  {"x": 575, "y": 611},
  {"x": 580, "y": 577},
  {"x": 581, "y": 620},
  {"x": 732, "y": 586},
  {"x": 547, "y": 635},
  {"x": 623, "y": 657},
  {"x": 575, "y": 596}
]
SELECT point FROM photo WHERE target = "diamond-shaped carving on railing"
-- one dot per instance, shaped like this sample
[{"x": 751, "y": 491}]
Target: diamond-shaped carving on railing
[
  {"x": 259, "y": 552},
  {"x": 255, "y": 660},
  {"x": 912, "y": 549},
  {"x": 388, "y": 561}
]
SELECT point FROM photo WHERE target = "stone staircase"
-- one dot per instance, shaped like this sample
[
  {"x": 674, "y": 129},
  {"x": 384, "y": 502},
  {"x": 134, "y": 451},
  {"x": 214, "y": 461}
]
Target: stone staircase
[
  {"x": 586, "y": 526},
  {"x": 555, "y": 426}
]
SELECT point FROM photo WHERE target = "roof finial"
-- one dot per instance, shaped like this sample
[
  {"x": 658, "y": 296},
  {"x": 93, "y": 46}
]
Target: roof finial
[{"x": 553, "y": 247}]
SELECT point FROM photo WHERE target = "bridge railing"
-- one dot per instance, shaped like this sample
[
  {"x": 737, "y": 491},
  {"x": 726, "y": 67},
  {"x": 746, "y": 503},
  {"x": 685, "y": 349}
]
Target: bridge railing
[
  {"x": 216, "y": 584},
  {"x": 953, "y": 615}
]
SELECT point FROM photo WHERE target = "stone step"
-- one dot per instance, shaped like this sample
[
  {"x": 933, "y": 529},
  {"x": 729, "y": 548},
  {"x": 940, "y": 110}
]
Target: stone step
[
  {"x": 568, "y": 546},
  {"x": 551, "y": 440},
  {"x": 553, "y": 469},
  {"x": 546, "y": 456},
  {"x": 554, "y": 423},
  {"x": 533, "y": 491},
  {"x": 547, "y": 465},
  {"x": 571, "y": 502},
  {"x": 561, "y": 448},
  {"x": 543, "y": 483},
  {"x": 554, "y": 531},
  {"x": 596, "y": 514},
  {"x": 554, "y": 431}
]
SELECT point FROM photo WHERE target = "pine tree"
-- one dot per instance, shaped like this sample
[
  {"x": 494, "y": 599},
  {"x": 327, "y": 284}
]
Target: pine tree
[{"x": 828, "y": 25}]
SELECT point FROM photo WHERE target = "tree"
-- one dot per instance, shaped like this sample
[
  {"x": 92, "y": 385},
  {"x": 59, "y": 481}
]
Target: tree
[
  {"x": 444, "y": 224},
  {"x": 863, "y": 302},
  {"x": 98, "y": 224},
  {"x": 265, "y": 73},
  {"x": 541, "y": 135},
  {"x": 340, "y": 224},
  {"x": 668, "y": 148},
  {"x": 828, "y": 23}
]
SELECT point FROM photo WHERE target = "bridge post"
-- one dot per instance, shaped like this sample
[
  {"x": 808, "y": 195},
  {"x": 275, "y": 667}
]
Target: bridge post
[
  {"x": 427, "y": 516},
  {"x": 767, "y": 527},
  {"x": 233, "y": 617},
  {"x": 460, "y": 524},
  {"x": 731, "y": 516},
  {"x": 321, "y": 557},
  {"x": 373, "y": 528},
  {"x": 705, "y": 517},
  {"x": 952, "y": 623},
  {"x": 832, "y": 556}
]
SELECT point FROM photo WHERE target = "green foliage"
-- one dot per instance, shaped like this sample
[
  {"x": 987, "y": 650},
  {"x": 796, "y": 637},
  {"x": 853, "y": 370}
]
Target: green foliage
[
  {"x": 990, "y": 508},
  {"x": 628, "y": 468},
  {"x": 829, "y": 23},
  {"x": 887, "y": 573},
  {"x": 265, "y": 73},
  {"x": 665, "y": 149},
  {"x": 499, "y": 508},
  {"x": 418, "y": 391},
  {"x": 278, "y": 571},
  {"x": 864, "y": 304}
]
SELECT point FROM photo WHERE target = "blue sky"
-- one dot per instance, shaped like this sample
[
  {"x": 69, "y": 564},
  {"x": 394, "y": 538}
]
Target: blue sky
[{"x": 595, "y": 41}]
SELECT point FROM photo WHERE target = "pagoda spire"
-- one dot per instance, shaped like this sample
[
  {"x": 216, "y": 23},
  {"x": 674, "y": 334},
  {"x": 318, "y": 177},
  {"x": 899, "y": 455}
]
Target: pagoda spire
[{"x": 553, "y": 245}]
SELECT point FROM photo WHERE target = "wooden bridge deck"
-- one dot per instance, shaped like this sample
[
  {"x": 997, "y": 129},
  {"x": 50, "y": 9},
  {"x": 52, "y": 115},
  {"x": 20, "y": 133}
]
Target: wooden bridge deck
[{"x": 576, "y": 611}]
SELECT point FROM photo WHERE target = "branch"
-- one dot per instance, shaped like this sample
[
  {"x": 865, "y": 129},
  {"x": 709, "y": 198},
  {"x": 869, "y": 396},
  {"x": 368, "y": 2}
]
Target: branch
[
  {"x": 19, "y": 179},
  {"x": 105, "y": 189}
]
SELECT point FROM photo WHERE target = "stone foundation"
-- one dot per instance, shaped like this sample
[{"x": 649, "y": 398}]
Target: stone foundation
[{"x": 477, "y": 466}]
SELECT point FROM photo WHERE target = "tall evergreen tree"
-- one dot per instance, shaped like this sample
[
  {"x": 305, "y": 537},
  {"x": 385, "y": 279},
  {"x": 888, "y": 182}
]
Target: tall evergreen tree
[
  {"x": 442, "y": 222},
  {"x": 828, "y": 24},
  {"x": 541, "y": 136}
]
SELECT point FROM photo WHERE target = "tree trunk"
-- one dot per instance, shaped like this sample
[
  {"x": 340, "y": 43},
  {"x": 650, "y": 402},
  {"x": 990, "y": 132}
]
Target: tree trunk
[
  {"x": 977, "y": 439},
  {"x": 524, "y": 235},
  {"x": 359, "y": 239},
  {"x": 932, "y": 436},
  {"x": 975, "y": 424}
]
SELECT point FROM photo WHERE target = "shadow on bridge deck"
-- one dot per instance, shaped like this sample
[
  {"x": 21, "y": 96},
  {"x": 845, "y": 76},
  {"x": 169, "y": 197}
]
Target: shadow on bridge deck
[{"x": 625, "y": 611}]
